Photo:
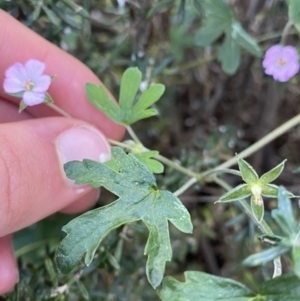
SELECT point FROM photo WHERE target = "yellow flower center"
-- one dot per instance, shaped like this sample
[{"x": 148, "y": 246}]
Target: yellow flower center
[
  {"x": 281, "y": 62},
  {"x": 28, "y": 85}
]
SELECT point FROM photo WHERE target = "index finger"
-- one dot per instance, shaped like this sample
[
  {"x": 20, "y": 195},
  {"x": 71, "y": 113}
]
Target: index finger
[{"x": 19, "y": 44}]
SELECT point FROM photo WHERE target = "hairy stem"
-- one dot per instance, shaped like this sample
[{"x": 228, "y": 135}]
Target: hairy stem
[
  {"x": 133, "y": 135},
  {"x": 262, "y": 142},
  {"x": 58, "y": 110},
  {"x": 285, "y": 32}
]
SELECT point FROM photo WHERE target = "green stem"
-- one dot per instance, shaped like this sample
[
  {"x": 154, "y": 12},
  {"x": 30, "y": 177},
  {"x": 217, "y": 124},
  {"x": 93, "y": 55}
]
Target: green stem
[
  {"x": 285, "y": 32},
  {"x": 160, "y": 158},
  {"x": 263, "y": 225},
  {"x": 201, "y": 176},
  {"x": 58, "y": 110},
  {"x": 262, "y": 142},
  {"x": 121, "y": 144},
  {"x": 133, "y": 135},
  {"x": 176, "y": 166},
  {"x": 185, "y": 186},
  {"x": 273, "y": 35},
  {"x": 211, "y": 172}
]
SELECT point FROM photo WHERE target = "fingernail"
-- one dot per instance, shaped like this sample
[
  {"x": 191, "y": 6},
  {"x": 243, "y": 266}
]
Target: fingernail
[{"x": 80, "y": 143}]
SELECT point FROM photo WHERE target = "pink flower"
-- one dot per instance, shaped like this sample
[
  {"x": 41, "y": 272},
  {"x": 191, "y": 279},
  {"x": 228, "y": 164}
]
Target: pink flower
[
  {"x": 281, "y": 62},
  {"x": 27, "y": 82}
]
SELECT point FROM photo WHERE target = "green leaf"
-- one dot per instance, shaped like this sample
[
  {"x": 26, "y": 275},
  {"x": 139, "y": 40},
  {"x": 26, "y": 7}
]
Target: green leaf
[
  {"x": 207, "y": 34},
  {"x": 272, "y": 174},
  {"x": 296, "y": 254},
  {"x": 128, "y": 112},
  {"x": 229, "y": 54},
  {"x": 148, "y": 98},
  {"x": 153, "y": 165},
  {"x": 77, "y": 8},
  {"x": 257, "y": 206},
  {"x": 218, "y": 9},
  {"x": 245, "y": 40},
  {"x": 51, "y": 16},
  {"x": 284, "y": 288},
  {"x": 284, "y": 215},
  {"x": 142, "y": 115},
  {"x": 265, "y": 256},
  {"x": 249, "y": 175},
  {"x": 99, "y": 97},
  {"x": 139, "y": 199},
  {"x": 294, "y": 13},
  {"x": 218, "y": 18},
  {"x": 130, "y": 84},
  {"x": 158, "y": 7},
  {"x": 200, "y": 286},
  {"x": 239, "y": 192}
]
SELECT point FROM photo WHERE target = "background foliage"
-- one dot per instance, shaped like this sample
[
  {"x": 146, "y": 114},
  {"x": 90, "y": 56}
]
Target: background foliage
[{"x": 217, "y": 101}]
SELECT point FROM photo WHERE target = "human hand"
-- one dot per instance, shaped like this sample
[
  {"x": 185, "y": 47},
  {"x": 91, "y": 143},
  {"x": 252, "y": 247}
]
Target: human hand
[{"x": 36, "y": 143}]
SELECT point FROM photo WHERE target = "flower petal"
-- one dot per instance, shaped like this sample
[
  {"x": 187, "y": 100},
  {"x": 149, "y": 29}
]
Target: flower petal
[
  {"x": 42, "y": 83},
  {"x": 291, "y": 53},
  {"x": 11, "y": 85},
  {"x": 33, "y": 98},
  {"x": 17, "y": 72},
  {"x": 34, "y": 69}
]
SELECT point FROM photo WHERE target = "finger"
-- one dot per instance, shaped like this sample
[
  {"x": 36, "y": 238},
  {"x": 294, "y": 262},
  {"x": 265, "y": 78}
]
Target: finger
[
  {"x": 84, "y": 203},
  {"x": 32, "y": 152},
  {"x": 8, "y": 266},
  {"x": 68, "y": 89},
  {"x": 9, "y": 112}
]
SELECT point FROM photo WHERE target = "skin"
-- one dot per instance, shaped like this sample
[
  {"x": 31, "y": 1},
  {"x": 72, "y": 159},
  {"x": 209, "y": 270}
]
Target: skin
[{"x": 27, "y": 153}]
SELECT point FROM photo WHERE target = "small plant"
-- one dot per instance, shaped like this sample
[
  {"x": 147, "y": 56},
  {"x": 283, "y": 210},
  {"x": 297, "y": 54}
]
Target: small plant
[{"x": 137, "y": 177}]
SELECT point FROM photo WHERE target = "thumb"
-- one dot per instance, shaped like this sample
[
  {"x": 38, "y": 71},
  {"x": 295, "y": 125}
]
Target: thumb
[{"x": 32, "y": 154}]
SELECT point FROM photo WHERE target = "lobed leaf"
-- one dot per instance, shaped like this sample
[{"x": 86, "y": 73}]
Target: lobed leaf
[
  {"x": 284, "y": 288},
  {"x": 149, "y": 97},
  {"x": 204, "y": 287},
  {"x": 147, "y": 159},
  {"x": 130, "y": 84},
  {"x": 99, "y": 97},
  {"x": 128, "y": 111},
  {"x": 139, "y": 199}
]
